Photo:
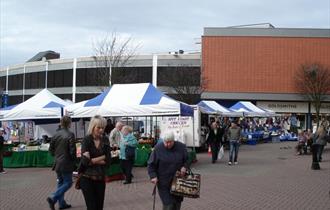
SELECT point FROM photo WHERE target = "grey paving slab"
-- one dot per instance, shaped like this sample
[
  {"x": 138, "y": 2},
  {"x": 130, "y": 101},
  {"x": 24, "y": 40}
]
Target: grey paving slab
[{"x": 269, "y": 176}]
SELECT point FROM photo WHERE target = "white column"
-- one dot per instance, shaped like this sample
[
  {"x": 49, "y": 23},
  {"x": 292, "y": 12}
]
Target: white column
[
  {"x": 24, "y": 83},
  {"x": 154, "y": 70},
  {"x": 74, "y": 73}
]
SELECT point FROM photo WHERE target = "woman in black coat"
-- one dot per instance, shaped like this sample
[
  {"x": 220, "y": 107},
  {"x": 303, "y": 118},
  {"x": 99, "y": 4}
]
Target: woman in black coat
[
  {"x": 214, "y": 140},
  {"x": 95, "y": 150}
]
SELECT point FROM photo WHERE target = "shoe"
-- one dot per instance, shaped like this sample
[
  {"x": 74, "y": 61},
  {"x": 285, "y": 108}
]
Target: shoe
[
  {"x": 51, "y": 203},
  {"x": 236, "y": 163},
  {"x": 67, "y": 206},
  {"x": 213, "y": 161},
  {"x": 229, "y": 163},
  {"x": 3, "y": 172},
  {"x": 127, "y": 182}
]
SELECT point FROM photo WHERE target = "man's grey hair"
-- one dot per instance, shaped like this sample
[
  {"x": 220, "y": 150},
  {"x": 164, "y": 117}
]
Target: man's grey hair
[{"x": 168, "y": 136}]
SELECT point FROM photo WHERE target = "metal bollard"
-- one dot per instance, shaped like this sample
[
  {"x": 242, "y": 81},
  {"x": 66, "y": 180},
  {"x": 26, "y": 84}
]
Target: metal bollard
[{"x": 315, "y": 164}]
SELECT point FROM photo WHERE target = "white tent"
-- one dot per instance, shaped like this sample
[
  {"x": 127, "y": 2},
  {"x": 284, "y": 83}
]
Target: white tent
[
  {"x": 43, "y": 105},
  {"x": 212, "y": 107},
  {"x": 251, "y": 110},
  {"x": 141, "y": 99}
]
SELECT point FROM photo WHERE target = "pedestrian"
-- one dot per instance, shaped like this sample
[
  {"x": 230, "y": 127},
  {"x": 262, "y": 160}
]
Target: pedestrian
[
  {"x": 126, "y": 161},
  {"x": 301, "y": 142},
  {"x": 234, "y": 136},
  {"x": 214, "y": 140},
  {"x": 116, "y": 136},
  {"x": 167, "y": 158},
  {"x": 2, "y": 140},
  {"x": 63, "y": 147},
  {"x": 95, "y": 150},
  {"x": 320, "y": 141},
  {"x": 109, "y": 127}
]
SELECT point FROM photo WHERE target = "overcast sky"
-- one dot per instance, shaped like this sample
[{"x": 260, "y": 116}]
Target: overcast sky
[{"x": 71, "y": 26}]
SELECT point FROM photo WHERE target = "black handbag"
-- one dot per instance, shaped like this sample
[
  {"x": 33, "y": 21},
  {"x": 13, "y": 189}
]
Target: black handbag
[
  {"x": 130, "y": 153},
  {"x": 186, "y": 186}
]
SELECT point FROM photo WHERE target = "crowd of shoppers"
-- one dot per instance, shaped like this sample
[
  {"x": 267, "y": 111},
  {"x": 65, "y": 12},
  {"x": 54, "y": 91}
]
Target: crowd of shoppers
[{"x": 167, "y": 158}]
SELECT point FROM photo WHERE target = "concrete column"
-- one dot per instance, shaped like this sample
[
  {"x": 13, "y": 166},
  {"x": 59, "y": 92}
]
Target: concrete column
[
  {"x": 154, "y": 69},
  {"x": 74, "y": 73}
]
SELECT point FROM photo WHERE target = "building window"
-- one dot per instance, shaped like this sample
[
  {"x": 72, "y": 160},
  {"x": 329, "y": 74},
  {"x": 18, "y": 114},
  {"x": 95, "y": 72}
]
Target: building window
[
  {"x": 35, "y": 80},
  {"x": 178, "y": 76},
  {"x": 126, "y": 75},
  {"x": 60, "y": 78},
  {"x": 2, "y": 83},
  {"x": 92, "y": 77},
  {"x": 15, "y": 82}
]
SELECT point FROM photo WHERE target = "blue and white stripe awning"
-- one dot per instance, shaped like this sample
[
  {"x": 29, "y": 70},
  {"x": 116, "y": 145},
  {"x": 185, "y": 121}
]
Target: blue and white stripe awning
[
  {"x": 130, "y": 100},
  {"x": 43, "y": 105},
  {"x": 249, "y": 109},
  {"x": 212, "y": 107}
]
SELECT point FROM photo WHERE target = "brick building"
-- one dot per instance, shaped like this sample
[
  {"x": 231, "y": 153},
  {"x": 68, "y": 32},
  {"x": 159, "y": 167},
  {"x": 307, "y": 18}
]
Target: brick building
[{"x": 259, "y": 65}]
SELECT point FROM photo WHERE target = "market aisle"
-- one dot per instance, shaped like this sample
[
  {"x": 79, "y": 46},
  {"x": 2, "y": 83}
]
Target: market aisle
[{"x": 269, "y": 176}]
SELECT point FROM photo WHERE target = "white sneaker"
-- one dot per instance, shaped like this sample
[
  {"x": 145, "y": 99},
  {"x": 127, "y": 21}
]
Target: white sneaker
[
  {"x": 236, "y": 163},
  {"x": 3, "y": 172},
  {"x": 229, "y": 163}
]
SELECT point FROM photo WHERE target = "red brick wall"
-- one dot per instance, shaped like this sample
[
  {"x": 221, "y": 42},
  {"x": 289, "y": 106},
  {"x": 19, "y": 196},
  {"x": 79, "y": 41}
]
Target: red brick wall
[{"x": 258, "y": 64}]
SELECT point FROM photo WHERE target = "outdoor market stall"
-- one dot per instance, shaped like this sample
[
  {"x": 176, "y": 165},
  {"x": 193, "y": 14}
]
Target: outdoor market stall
[
  {"x": 44, "y": 106},
  {"x": 248, "y": 109},
  {"x": 130, "y": 100}
]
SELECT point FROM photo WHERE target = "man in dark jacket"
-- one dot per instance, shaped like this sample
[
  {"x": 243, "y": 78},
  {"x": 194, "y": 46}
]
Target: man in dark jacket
[
  {"x": 167, "y": 158},
  {"x": 214, "y": 139},
  {"x": 63, "y": 147}
]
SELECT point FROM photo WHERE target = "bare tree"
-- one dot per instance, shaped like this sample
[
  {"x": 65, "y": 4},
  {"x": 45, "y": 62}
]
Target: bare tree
[
  {"x": 113, "y": 53},
  {"x": 313, "y": 82},
  {"x": 186, "y": 81}
]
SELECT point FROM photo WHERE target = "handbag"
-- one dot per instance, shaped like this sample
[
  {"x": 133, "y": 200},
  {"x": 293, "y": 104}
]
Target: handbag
[
  {"x": 187, "y": 185},
  {"x": 130, "y": 153}
]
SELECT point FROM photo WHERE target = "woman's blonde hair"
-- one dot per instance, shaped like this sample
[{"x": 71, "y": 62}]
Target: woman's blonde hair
[
  {"x": 128, "y": 128},
  {"x": 96, "y": 121}
]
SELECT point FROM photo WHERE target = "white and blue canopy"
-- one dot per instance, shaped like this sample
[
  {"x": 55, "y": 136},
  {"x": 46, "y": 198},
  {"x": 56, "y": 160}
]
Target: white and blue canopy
[
  {"x": 212, "y": 107},
  {"x": 43, "y": 105},
  {"x": 141, "y": 99},
  {"x": 251, "y": 110}
]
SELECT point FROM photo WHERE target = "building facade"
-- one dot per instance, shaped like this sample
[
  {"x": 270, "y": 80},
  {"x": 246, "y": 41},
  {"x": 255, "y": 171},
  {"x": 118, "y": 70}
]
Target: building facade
[
  {"x": 83, "y": 78},
  {"x": 260, "y": 64}
]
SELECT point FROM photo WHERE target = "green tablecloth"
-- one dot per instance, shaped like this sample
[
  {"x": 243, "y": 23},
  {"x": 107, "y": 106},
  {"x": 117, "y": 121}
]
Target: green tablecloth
[
  {"x": 44, "y": 159},
  {"x": 142, "y": 154},
  {"x": 28, "y": 159}
]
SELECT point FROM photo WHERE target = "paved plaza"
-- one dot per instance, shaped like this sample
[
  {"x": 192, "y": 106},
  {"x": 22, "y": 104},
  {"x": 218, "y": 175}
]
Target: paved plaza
[{"x": 269, "y": 176}]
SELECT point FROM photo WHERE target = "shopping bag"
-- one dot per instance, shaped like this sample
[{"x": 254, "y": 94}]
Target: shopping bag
[
  {"x": 221, "y": 153},
  {"x": 186, "y": 186}
]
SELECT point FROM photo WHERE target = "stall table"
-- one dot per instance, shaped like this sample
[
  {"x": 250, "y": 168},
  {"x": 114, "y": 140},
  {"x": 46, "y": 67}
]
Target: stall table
[{"x": 22, "y": 159}]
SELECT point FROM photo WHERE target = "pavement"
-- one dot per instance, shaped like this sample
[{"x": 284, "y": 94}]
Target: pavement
[{"x": 268, "y": 176}]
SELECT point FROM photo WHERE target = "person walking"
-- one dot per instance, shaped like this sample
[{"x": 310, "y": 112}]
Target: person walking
[
  {"x": 234, "y": 136},
  {"x": 320, "y": 141},
  {"x": 127, "y": 160},
  {"x": 63, "y": 147},
  {"x": 95, "y": 150},
  {"x": 2, "y": 141},
  {"x": 214, "y": 140},
  {"x": 167, "y": 158}
]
